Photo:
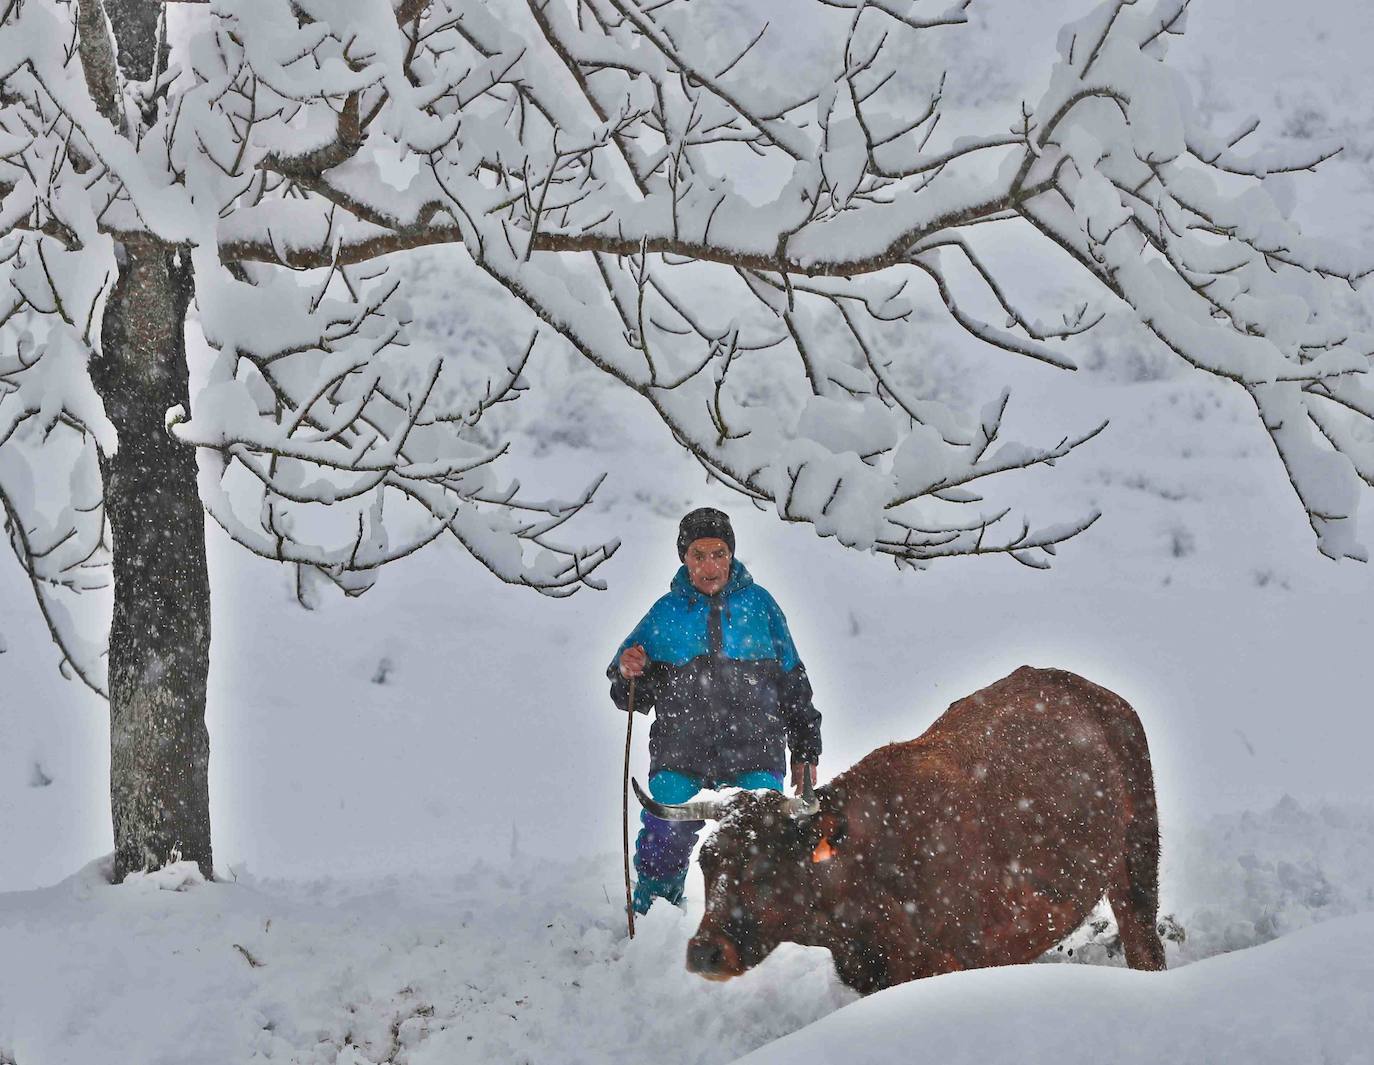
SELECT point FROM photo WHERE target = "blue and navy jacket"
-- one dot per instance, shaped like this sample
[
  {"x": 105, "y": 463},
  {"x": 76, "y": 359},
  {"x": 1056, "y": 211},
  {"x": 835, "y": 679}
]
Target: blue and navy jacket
[{"x": 724, "y": 681}]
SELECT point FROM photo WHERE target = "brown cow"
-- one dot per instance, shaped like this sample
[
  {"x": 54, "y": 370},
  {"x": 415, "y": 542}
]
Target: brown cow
[{"x": 983, "y": 842}]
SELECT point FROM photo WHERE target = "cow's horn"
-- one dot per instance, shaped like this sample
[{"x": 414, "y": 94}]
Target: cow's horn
[
  {"x": 806, "y": 804},
  {"x": 706, "y": 810}
]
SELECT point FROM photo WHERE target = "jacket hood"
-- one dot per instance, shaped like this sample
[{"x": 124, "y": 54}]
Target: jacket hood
[{"x": 738, "y": 581}]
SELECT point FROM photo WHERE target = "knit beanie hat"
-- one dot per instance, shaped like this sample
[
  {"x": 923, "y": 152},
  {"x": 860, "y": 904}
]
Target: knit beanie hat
[{"x": 702, "y": 524}]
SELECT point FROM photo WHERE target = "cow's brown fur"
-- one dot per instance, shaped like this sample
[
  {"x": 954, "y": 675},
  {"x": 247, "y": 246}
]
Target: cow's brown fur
[{"x": 983, "y": 842}]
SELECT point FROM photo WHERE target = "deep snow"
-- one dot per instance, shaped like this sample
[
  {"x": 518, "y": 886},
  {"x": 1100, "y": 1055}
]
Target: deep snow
[
  {"x": 527, "y": 960},
  {"x": 1302, "y": 999}
]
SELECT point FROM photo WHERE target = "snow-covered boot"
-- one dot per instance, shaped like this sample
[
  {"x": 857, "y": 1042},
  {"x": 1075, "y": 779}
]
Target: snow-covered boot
[{"x": 647, "y": 889}]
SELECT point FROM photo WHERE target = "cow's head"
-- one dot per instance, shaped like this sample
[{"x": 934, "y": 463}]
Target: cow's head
[{"x": 761, "y": 874}]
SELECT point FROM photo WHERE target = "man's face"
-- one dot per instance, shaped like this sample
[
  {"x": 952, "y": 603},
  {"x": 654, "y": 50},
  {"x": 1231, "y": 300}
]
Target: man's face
[{"x": 708, "y": 565}]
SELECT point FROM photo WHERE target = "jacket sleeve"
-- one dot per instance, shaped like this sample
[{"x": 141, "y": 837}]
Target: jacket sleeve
[
  {"x": 803, "y": 720},
  {"x": 800, "y": 717},
  {"x": 620, "y": 689},
  {"x": 644, "y": 686}
]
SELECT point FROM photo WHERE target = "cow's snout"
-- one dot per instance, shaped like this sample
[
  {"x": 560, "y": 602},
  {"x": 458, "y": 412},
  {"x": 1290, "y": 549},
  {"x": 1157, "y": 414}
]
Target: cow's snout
[{"x": 713, "y": 957}]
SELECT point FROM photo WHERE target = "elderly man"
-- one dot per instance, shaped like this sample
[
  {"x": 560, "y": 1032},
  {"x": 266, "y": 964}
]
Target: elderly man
[{"x": 714, "y": 660}]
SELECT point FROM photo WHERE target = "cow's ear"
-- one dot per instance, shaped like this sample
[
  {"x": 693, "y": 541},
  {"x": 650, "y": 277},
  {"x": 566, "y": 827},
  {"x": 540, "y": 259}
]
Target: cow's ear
[{"x": 829, "y": 831}]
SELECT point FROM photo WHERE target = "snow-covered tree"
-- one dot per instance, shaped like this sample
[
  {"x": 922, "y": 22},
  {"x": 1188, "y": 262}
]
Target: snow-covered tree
[{"x": 644, "y": 187}]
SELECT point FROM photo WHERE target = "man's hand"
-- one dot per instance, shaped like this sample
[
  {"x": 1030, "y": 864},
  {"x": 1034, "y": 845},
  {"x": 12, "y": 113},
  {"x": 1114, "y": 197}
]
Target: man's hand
[
  {"x": 633, "y": 662},
  {"x": 797, "y": 769}
]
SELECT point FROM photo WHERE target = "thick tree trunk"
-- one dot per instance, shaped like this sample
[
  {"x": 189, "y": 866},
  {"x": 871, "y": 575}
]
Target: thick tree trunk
[{"x": 160, "y": 636}]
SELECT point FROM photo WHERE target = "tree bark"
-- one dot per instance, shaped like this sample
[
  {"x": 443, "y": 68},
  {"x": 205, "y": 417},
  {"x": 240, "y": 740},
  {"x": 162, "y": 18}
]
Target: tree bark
[{"x": 160, "y": 635}]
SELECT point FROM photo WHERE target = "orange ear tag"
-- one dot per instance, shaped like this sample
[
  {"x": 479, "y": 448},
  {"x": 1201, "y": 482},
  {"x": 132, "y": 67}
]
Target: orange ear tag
[{"x": 823, "y": 852}]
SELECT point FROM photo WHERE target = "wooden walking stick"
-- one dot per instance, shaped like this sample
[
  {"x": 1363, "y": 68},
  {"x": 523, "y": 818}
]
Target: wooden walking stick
[{"x": 625, "y": 811}]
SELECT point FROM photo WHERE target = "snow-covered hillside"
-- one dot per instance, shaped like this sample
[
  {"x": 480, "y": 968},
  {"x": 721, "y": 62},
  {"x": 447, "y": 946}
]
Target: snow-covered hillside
[{"x": 416, "y": 794}]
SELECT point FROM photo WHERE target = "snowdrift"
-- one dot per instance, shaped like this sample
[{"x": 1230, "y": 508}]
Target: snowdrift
[{"x": 1304, "y": 998}]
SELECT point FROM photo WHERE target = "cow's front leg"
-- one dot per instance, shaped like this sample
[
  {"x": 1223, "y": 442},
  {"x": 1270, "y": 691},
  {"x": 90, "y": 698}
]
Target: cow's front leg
[{"x": 875, "y": 947}]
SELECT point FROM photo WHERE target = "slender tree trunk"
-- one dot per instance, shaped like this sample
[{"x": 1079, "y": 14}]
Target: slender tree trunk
[{"x": 160, "y": 635}]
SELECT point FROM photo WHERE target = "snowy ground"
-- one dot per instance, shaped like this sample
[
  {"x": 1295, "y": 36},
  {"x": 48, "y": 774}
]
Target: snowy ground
[
  {"x": 416, "y": 794},
  {"x": 527, "y": 960}
]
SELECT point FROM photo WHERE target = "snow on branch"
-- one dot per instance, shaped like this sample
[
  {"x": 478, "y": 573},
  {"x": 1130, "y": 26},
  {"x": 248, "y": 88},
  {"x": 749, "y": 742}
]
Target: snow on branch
[
  {"x": 50, "y": 424},
  {"x": 741, "y": 239},
  {"x": 320, "y": 405},
  {"x": 1187, "y": 235}
]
